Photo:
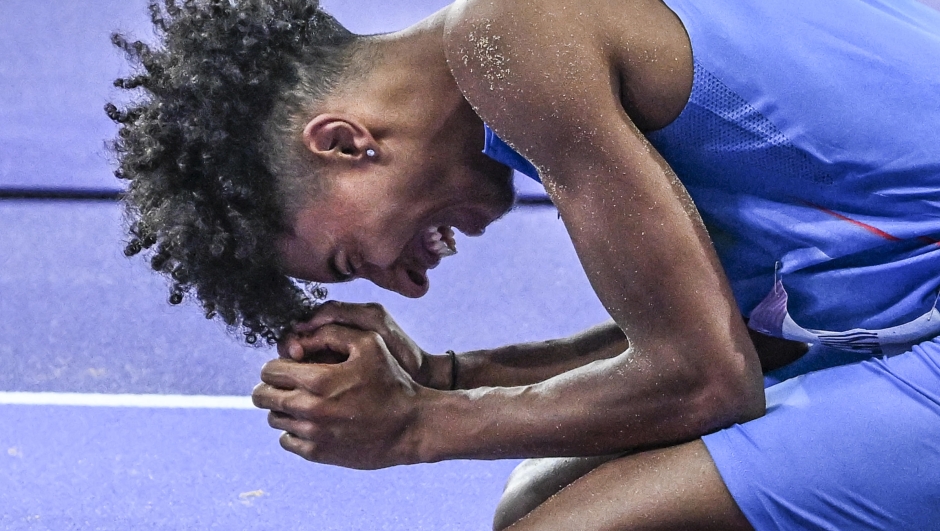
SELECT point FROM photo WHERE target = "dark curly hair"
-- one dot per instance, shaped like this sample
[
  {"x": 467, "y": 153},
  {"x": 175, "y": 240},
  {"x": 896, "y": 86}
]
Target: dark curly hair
[{"x": 208, "y": 145}]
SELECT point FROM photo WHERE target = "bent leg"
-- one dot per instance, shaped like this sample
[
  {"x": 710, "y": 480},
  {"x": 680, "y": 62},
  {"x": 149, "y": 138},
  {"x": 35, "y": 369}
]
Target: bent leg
[
  {"x": 536, "y": 480},
  {"x": 851, "y": 447},
  {"x": 666, "y": 489}
]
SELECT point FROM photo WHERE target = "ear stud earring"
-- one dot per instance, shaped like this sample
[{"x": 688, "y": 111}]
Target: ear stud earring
[{"x": 370, "y": 153}]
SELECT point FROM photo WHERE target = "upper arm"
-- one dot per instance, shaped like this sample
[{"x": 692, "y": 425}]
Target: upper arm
[
  {"x": 536, "y": 84},
  {"x": 543, "y": 76}
]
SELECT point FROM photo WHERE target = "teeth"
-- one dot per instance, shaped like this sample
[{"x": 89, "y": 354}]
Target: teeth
[
  {"x": 443, "y": 250},
  {"x": 441, "y": 244}
]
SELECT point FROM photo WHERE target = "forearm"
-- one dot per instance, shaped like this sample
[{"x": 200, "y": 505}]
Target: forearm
[
  {"x": 528, "y": 363},
  {"x": 629, "y": 402}
]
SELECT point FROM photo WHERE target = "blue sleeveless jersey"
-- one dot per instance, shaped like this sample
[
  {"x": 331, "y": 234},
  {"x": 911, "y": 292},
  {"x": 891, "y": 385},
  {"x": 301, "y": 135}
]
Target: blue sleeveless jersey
[{"x": 811, "y": 147}]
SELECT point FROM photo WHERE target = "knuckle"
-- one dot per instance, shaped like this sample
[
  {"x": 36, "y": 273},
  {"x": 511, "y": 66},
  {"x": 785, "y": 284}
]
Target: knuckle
[
  {"x": 375, "y": 338},
  {"x": 314, "y": 385},
  {"x": 291, "y": 403},
  {"x": 269, "y": 366},
  {"x": 375, "y": 309},
  {"x": 257, "y": 397},
  {"x": 302, "y": 406},
  {"x": 367, "y": 340},
  {"x": 330, "y": 305},
  {"x": 308, "y": 431}
]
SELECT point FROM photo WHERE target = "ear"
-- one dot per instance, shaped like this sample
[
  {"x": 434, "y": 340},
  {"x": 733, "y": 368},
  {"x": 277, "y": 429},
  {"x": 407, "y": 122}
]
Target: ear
[{"x": 338, "y": 138}]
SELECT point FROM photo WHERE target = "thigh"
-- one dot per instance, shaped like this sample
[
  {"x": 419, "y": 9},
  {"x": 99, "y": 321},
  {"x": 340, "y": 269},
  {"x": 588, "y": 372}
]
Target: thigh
[
  {"x": 667, "y": 489},
  {"x": 536, "y": 480},
  {"x": 853, "y": 447}
]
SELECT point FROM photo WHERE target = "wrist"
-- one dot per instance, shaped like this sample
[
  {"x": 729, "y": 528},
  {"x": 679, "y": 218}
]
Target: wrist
[
  {"x": 440, "y": 428},
  {"x": 438, "y": 368}
]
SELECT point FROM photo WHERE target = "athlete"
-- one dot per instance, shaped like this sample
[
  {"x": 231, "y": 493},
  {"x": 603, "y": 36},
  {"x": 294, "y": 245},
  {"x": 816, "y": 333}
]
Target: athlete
[{"x": 739, "y": 179}]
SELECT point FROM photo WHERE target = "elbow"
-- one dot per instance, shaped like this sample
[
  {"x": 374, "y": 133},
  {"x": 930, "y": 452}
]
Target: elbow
[
  {"x": 716, "y": 394},
  {"x": 729, "y": 392},
  {"x": 734, "y": 397}
]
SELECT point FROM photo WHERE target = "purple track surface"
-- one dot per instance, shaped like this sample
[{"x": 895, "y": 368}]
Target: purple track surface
[
  {"x": 77, "y": 317},
  {"x": 65, "y": 468}
]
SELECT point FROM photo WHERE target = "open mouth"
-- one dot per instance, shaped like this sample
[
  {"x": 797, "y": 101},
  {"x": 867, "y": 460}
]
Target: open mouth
[
  {"x": 418, "y": 278},
  {"x": 433, "y": 245},
  {"x": 439, "y": 243}
]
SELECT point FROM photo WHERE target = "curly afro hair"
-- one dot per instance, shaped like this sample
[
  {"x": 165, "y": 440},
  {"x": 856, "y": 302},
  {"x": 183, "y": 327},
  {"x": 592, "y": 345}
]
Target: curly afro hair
[{"x": 204, "y": 157}]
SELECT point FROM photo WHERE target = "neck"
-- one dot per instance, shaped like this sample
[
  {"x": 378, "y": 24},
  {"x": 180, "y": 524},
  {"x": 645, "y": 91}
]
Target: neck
[{"x": 408, "y": 82}]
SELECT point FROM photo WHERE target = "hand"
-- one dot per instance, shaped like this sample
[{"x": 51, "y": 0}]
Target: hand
[
  {"x": 359, "y": 413},
  {"x": 371, "y": 317}
]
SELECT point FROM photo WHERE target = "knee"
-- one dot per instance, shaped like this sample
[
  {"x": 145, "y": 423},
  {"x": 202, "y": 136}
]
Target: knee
[
  {"x": 517, "y": 498},
  {"x": 524, "y": 491},
  {"x": 536, "y": 480}
]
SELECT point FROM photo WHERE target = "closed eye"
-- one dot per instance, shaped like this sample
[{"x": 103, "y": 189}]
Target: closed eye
[{"x": 338, "y": 274}]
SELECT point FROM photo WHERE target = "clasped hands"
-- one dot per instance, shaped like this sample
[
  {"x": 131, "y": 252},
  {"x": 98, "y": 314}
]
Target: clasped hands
[{"x": 347, "y": 389}]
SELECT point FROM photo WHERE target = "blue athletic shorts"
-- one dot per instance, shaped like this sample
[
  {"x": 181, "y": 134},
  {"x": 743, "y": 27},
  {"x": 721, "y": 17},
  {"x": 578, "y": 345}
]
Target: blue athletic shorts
[{"x": 854, "y": 447}]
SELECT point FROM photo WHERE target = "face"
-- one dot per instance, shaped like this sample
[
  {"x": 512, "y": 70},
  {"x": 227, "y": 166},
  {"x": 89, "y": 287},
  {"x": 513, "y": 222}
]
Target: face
[{"x": 391, "y": 217}]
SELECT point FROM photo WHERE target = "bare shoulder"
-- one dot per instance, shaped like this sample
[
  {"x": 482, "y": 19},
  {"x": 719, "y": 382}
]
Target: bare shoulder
[
  {"x": 538, "y": 67},
  {"x": 493, "y": 45},
  {"x": 478, "y": 22},
  {"x": 519, "y": 61}
]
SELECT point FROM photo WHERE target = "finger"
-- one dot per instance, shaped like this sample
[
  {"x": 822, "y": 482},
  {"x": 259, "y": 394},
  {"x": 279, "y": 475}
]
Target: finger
[
  {"x": 290, "y": 375},
  {"x": 309, "y": 352},
  {"x": 299, "y": 427},
  {"x": 267, "y": 397},
  {"x": 297, "y": 445},
  {"x": 281, "y": 373},
  {"x": 289, "y": 347},
  {"x": 370, "y": 316},
  {"x": 349, "y": 342},
  {"x": 297, "y": 404}
]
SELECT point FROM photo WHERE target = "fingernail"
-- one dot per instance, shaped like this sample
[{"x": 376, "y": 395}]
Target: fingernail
[{"x": 296, "y": 352}]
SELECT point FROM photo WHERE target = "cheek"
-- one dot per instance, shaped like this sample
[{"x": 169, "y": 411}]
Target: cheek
[
  {"x": 296, "y": 258},
  {"x": 383, "y": 249},
  {"x": 381, "y": 222},
  {"x": 382, "y": 243}
]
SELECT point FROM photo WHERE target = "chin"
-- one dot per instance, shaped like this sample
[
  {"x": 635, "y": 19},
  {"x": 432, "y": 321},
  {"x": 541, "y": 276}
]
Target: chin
[
  {"x": 507, "y": 199},
  {"x": 496, "y": 179},
  {"x": 504, "y": 193}
]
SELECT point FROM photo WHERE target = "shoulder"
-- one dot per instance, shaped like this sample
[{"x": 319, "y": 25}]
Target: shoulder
[
  {"x": 543, "y": 71},
  {"x": 531, "y": 18},
  {"x": 484, "y": 39},
  {"x": 519, "y": 61},
  {"x": 481, "y": 37}
]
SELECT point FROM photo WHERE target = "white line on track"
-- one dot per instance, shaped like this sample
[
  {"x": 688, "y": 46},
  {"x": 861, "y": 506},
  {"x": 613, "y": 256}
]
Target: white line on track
[{"x": 127, "y": 400}]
